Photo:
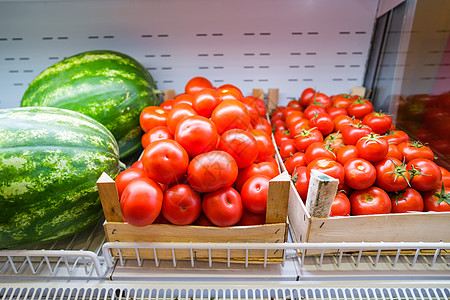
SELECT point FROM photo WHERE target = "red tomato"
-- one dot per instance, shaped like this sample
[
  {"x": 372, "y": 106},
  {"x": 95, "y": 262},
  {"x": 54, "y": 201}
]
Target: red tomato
[
  {"x": 141, "y": 202},
  {"x": 241, "y": 145},
  {"x": 196, "y": 134},
  {"x": 252, "y": 108},
  {"x": 278, "y": 125},
  {"x": 126, "y": 176},
  {"x": 229, "y": 92},
  {"x": 359, "y": 173},
  {"x": 394, "y": 152},
  {"x": 306, "y": 138},
  {"x": 156, "y": 134},
  {"x": 178, "y": 113},
  {"x": 263, "y": 168},
  {"x": 370, "y": 201},
  {"x": 293, "y": 118},
  {"x": 341, "y": 205},
  {"x": 210, "y": 171},
  {"x": 290, "y": 110},
  {"x": 263, "y": 125},
  {"x": 296, "y": 160},
  {"x": 334, "y": 141},
  {"x": 167, "y": 104},
  {"x": 230, "y": 114},
  {"x": 196, "y": 84},
  {"x": 445, "y": 176},
  {"x": 138, "y": 164},
  {"x": 254, "y": 194},
  {"x": 392, "y": 175},
  {"x": 249, "y": 219},
  {"x": 203, "y": 221},
  {"x": 372, "y": 147},
  {"x": 359, "y": 108},
  {"x": 396, "y": 137},
  {"x": 353, "y": 132},
  {"x": 345, "y": 153},
  {"x": 342, "y": 100},
  {"x": 165, "y": 161},
  {"x": 323, "y": 122},
  {"x": 181, "y": 205},
  {"x": 223, "y": 207},
  {"x": 231, "y": 86},
  {"x": 300, "y": 179},
  {"x": 329, "y": 167},
  {"x": 341, "y": 121},
  {"x": 151, "y": 117},
  {"x": 262, "y": 109},
  {"x": 437, "y": 200},
  {"x": 337, "y": 111},
  {"x": 205, "y": 101},
  {"x": 294, "y": 103},
  {"x": 413, "y": 150},
  {"x": 379, "y": 122},
  {"x": 406, "y": 200},
  {"x": 287, "y": 149},
  {"x": 183, "y": 99},
  {"x": 322, "y": 100},
  {"x": 312, "y": 110},
  {"x": 280, "y": 136},
  {"x": 425, "y": 174},
  {"x": 298, "y": 128},
  {"x": 318, "y": 150},
  {"x": 265, "y": 145},
  {"x": 307, "y": 96}
]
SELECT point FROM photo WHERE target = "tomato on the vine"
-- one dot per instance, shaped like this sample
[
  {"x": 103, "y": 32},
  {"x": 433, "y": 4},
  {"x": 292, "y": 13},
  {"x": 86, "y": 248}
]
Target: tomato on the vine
[
  {"x": 223, "y": 207},
  {"x": 370, "y": 201},
  {"x": 181, "y": 205},
  {"x": 406, "y": 200}
]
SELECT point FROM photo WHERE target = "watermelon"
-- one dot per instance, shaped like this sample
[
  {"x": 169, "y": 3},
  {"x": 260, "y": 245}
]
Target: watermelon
[
  {"x": 50, "y": 160},
  {"x": 109, "y": 86}
]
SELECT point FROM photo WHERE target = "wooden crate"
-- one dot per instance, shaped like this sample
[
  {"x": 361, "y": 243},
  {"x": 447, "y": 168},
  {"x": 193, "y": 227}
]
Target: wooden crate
[{"x": 274, "y": 231}]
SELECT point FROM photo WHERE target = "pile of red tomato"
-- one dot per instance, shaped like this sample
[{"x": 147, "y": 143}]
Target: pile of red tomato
[
  {"x": 380, "y": 170},
  {"x": 207, "y": 160}
]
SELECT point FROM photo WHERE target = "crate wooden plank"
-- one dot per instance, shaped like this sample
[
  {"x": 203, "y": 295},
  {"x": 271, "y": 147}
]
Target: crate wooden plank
[{"x": 110, "y": 198}]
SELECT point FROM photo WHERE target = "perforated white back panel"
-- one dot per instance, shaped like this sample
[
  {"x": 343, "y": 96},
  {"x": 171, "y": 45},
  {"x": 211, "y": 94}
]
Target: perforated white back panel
[{"x": 288, "y": 45}]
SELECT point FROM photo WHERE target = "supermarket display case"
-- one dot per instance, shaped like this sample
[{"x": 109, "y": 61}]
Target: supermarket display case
[{"x": 389, "y": 47}]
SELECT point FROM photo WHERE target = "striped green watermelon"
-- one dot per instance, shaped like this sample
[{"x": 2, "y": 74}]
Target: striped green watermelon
[
  {"x": 50, "y": 160},
  {"x": 109, "y": 86}
]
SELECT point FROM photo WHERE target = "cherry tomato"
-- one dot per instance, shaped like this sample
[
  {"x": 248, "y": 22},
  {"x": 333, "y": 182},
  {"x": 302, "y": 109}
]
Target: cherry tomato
[
  {"x": 210, "y": 171},
  {"x": 372, "y": 147},
  {"x": 151, "y": 117},
  {"x": 425, "y": 174},
  {"x": 181, "y": 205},
  {"x": 437, "y": 200},
  {"x": 379, "y": 122},
  {"x": 263, "y": 168},
  {"x": 307, "y": 96},
  {"x": 196, "y": 84},
  {"x": 359, "y": 108},
  {"x": 318, "y": 150},
  {"x": 156, "y": 134},
  {"x": 312, "y": 110},
  {"x": 323, "y": 122},
  {"x": 306, "y": 138},
  {"x": 413, "y": 150},
  {"x": 345, "y": 153},
  {"x": 126, "y": 176},
  {"x": 183, "y": 99},
  {"x": 241, "y": 145},
  {"x": 370, "y": 201},
  {"x": 230, "y": 114},
  {"x": 329, "y": 167},
  {"x": 141, "y": 202},
  {"x": 178, "y": 113},
  {"x": 296, "y": 160},
  {"x": 340, "y": 206},
  {"x": 392, "y": 175},
  {"x": 165, "y": 161},
  {"x": 406, "y": 200},
  {"x": 265, "y": 145},
  {"x": 223, "y": 207},
  {"x": 287, "y": 149},
  {"x": 205, "y": 101},
  {"x": 396, "y": 137},
  {"x": 196, "y": 134},
  {"x": 359, "y": 173},
  {"x": 300, "y": 179},
  {"x": 249, "y": 219},
  {"x": 254, "y": 194},
  {"x": 353, "y": 132}
]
